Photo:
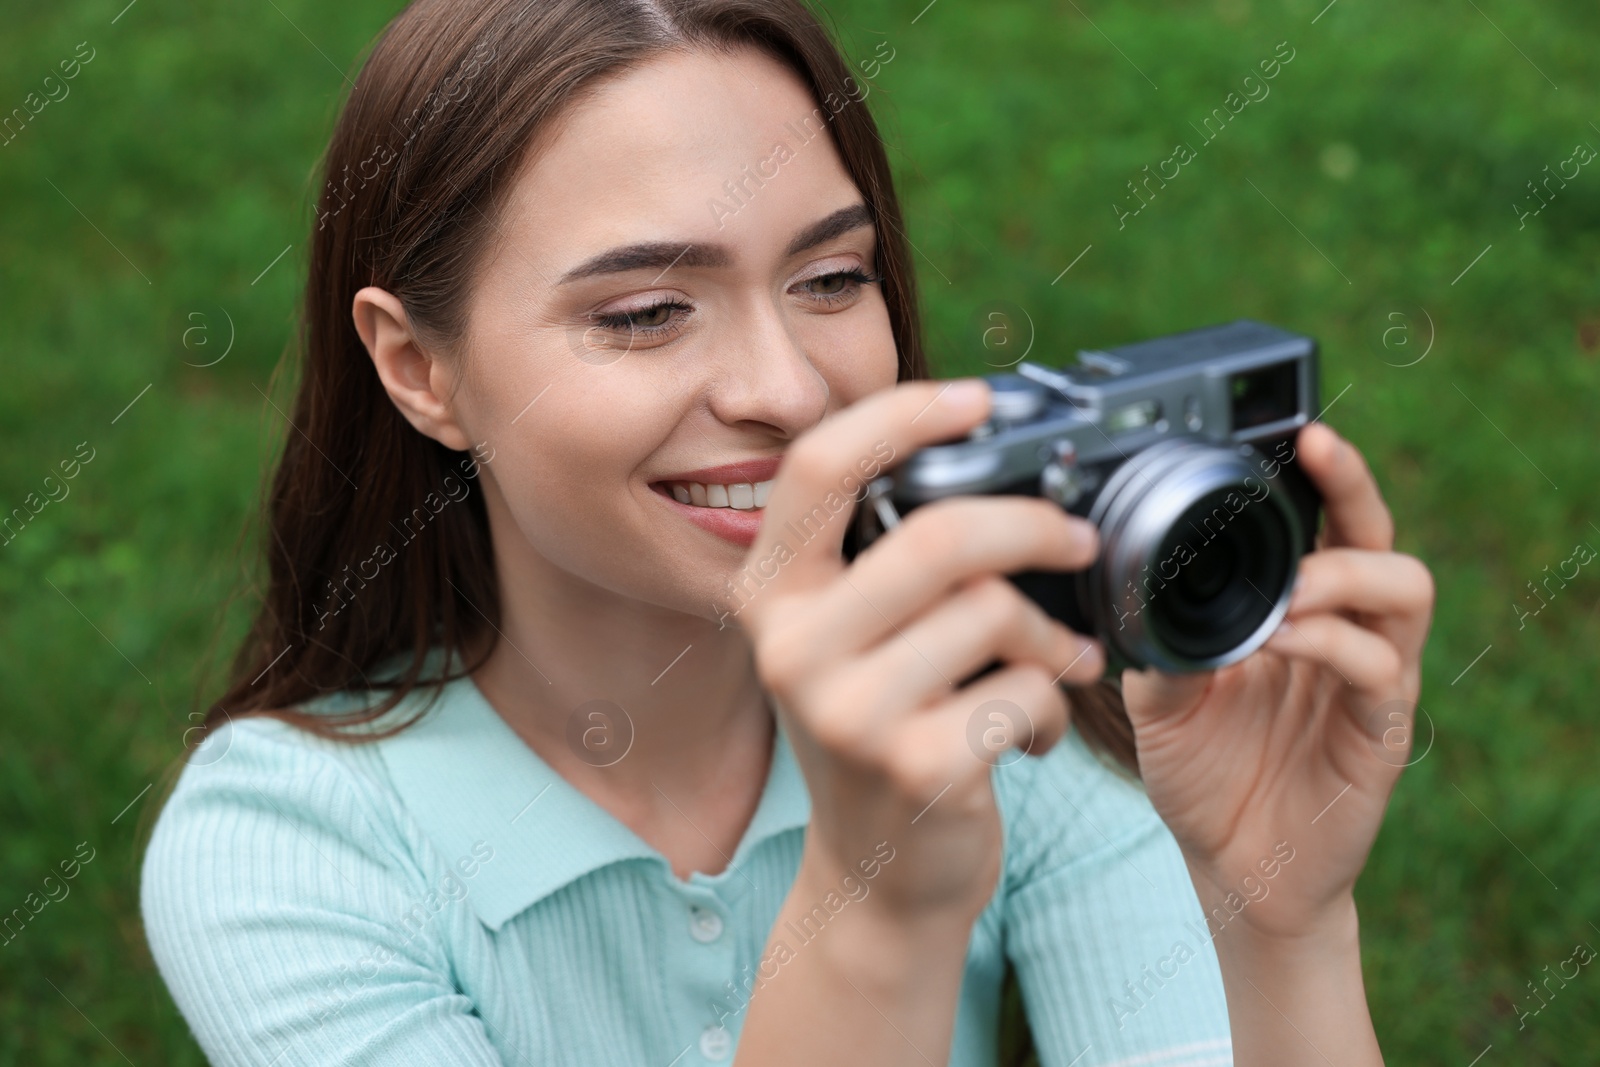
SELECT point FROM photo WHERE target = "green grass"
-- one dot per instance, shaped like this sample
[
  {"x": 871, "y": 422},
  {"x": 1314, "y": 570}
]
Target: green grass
[{"x": 181, "y": 163}]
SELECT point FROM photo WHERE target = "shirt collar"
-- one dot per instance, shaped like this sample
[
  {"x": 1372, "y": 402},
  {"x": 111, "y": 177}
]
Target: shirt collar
[{"x": 468, "y": 780}]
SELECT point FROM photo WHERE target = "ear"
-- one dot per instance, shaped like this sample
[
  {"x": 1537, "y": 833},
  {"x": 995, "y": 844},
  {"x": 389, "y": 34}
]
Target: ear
[{"x": 416, "y": 382}]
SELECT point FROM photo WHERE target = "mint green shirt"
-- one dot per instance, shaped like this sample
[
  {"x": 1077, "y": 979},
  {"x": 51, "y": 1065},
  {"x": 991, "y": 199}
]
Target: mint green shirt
[{"x": 444, "y": 898}]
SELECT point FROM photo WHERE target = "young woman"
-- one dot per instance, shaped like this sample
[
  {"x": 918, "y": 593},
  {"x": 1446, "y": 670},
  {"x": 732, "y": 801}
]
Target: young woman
[{"x": 566, "y": 735}]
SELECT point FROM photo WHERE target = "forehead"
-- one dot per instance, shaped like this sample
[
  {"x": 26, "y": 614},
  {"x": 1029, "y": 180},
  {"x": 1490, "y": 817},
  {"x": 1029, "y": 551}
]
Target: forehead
[{"x": 651, "y": 150}]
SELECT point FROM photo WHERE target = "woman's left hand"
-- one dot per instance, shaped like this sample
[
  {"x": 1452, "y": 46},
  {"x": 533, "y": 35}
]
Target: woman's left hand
[{"x": 1294, "y": 751}]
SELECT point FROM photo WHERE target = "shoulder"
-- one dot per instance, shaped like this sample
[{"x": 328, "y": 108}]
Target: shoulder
[
  {"x": 259, "y": 760},
  {"x": 256, "y": 797},
  {"x": 287, "y": 893},
  {"x": 1070, "y": 804}
]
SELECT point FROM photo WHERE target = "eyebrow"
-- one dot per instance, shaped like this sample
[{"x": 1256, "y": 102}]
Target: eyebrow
[{"x": 662, "y": 255}]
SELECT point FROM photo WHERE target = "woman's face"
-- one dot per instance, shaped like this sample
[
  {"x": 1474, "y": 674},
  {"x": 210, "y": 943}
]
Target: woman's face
[{"x": 676, "y": 286}]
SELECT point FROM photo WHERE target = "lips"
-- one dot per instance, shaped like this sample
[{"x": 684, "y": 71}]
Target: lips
[
  {"x": 727, "y": 500},
  {"x": 741, "y": 485},
  {"x": 749, "y": 471}
]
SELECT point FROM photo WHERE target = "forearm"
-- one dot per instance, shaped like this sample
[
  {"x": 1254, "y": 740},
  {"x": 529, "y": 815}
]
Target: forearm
[
  {"x": 868, "y": 988},
  {"x": 1298, "y": 1001}
]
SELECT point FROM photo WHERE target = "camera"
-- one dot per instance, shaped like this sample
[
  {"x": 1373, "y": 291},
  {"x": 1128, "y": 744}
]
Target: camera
[{"x": 1181, "y": 451}]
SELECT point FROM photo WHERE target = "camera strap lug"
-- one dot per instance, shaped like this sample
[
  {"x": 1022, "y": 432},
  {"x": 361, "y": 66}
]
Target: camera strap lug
[{"x": 878, "y": 493}]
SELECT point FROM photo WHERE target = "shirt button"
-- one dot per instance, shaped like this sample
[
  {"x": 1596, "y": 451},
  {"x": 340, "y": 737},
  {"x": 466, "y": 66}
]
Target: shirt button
[
  {"x": 705, "y": 926},
  {"x": 715, "y": 1041}
]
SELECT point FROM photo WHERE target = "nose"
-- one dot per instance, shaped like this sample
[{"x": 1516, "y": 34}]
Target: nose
[{"x": 766, "y": 379}]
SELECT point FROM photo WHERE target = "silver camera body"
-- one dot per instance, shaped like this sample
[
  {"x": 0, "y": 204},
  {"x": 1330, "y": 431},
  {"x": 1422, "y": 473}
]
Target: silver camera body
[{"x": 1181, "y": 451}]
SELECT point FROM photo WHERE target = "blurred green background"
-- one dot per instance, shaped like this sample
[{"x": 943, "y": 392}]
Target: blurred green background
[{"x": 1370, "y": 200}]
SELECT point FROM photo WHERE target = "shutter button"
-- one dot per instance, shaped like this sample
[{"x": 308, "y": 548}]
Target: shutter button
[
  {"x": 705, "y": 926},
  {"x": 715, "y": 1042}
]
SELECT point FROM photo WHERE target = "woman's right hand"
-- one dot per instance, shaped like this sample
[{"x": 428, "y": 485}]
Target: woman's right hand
[{"x": 864, "y": 659}]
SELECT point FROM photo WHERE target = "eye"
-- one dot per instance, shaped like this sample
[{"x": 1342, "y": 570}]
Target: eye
[
  {"x": 655, "y": 320},
  {"x": 840, "y": 286}
]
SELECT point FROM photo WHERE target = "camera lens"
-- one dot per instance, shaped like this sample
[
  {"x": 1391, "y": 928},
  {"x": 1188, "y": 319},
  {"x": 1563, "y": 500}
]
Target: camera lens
[
  {"x": 1199, "y": 549},
  {"x": 1233, "y": 565}
]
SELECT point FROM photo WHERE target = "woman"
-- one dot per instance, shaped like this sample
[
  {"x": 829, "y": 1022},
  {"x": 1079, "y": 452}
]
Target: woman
[{"x": 519, "y": 765}]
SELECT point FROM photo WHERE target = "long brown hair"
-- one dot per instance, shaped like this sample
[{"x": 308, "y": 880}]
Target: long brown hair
[{"x": 446, "y": 109}]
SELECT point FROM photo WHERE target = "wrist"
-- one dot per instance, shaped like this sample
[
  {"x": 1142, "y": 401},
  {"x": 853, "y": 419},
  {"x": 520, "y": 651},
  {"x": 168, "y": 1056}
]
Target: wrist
[
  {"x": 867, "y": 936},
  {"x": 847, "y": 953},
  {"x": 1333, "y": 932},
  {"x": 910, "y": 891},
  {"x": 1299, "y": 998},
  {"x": 1271, "y": 907}
]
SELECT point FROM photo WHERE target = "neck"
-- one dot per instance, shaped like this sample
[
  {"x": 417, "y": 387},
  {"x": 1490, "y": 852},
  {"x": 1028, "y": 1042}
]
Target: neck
[{"x": 624, "y": 699}]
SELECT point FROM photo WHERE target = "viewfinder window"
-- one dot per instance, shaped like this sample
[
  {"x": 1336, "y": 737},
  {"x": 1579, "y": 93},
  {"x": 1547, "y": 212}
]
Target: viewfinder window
[{"x": 1269, "y": 394}]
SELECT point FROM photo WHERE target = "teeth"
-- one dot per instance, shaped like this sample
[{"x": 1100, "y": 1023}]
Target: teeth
[{"x": 741, "y": 496}]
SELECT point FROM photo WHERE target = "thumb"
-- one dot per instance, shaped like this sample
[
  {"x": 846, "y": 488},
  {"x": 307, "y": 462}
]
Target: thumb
[{"x": 1150, "y": 695}]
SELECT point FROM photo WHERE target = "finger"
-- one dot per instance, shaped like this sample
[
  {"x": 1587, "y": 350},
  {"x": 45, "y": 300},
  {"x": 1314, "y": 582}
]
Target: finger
[
  {"x": 1014, "y": 710},
  {"x": 1365, "y": 660},
  {"x": 1395, "y": 589},
  {"x": 938, "y": 548},
  {"x": 828, "y": 467},
  {"x": 1357, "y": 517},
  {"x": 987, "y": 620}
]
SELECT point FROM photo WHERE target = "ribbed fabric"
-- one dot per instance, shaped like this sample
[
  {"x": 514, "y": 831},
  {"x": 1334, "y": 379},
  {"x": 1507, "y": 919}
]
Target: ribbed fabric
[{"x": 443, "y": 897}]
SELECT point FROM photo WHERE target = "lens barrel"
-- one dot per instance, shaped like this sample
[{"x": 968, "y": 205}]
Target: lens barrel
[{"x": 1199, "y": 551}]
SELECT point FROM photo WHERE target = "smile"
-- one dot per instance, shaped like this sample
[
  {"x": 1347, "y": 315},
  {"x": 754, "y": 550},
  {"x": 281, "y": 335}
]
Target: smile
[
  {"x": 741, "y": 496},
  {"x": 731, "y": 511}
]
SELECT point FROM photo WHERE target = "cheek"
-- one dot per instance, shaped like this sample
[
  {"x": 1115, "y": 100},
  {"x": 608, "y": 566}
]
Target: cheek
[
  {"x": 561, "y": 429},
  {"x": 854, "y": 351},
  {"x": 575, "y": 460},
  {"x": 568, "y": 471}
]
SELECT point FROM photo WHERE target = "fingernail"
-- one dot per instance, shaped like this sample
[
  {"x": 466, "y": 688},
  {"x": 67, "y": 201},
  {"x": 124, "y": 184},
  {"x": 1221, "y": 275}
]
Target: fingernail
[
  {"x": 966, "y": 393},
  {"x": 1086, "y": 533},
  {"x": 1341, "y": 447}
]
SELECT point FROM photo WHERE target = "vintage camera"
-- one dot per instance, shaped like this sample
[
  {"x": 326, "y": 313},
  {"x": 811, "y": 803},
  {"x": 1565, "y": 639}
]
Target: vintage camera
[{"x": 1181, "y": 451}]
